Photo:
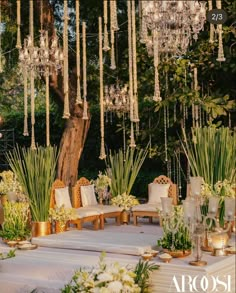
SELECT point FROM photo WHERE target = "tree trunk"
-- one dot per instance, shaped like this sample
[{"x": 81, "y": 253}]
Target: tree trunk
[{"x": 71, "y": 147}]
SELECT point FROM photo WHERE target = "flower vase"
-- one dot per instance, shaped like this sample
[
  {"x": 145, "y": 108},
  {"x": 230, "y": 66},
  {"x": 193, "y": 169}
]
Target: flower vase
[
  {"x": 125, "y": 217},
  {"x": 60, "y": 227},
  {"x": 41, "y": 229}
]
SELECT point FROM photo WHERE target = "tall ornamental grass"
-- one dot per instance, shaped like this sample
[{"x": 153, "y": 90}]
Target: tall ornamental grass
[
  {"x": 35, "y": 171},
  {"x": 212, "y": 153},
  {"x": 124, "y": 168}
]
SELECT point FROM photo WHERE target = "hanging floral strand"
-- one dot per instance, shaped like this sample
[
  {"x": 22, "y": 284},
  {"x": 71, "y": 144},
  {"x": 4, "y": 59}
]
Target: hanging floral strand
[
  {"x": 32, "y": 94},
  {"x": 26, "y": 131},
  {"x": 212, "y": 27},
  {"x": 106, "y": 40},
  {"x": 135, "y": 88},
  {"x": 130, "y": 61},
  {"x": 1, "y": 69},
  {"x": 85, "y": 111},
  {"x": 102, "y": 150},
  {"x": 157, "y": 95},
  {"x": 221, "y": 57},
  {"x": 18, "y": 21},
  {"x": 66, "y": 113},
  {"x": 78, "y": 95}
]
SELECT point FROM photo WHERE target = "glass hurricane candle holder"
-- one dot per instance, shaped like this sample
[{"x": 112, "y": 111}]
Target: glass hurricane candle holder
[
  {"x": 195, "y": 184},
  {"x": 166, "y": 203},
  {"x": 213, "y": 206}
]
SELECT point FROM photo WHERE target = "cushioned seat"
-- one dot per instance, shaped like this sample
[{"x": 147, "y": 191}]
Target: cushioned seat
[
  {"x": 60, "y": 196},
  {"x": 162, "y": 186},
  {"x": 83, "y": 195},
  {"x": 147, "y": 207}
]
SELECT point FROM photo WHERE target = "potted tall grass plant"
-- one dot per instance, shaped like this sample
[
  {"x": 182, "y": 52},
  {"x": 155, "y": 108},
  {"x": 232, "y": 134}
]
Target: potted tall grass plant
[
  {"x": 211, "y": 154},
  {"x": 36, "y": 170},
  {"x": 123, "y": 169}
]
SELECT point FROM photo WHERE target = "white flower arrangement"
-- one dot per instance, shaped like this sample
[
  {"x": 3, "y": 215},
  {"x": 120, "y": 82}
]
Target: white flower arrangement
[
  {"x": 111, "y": 278},
  {"x": 102, "y": 182},
  {"x": 62, "y": 214},
  {"x": 126, "y": 201},
  {"x": 221, "y": 188},
  {"x": 9, "y": 182}
]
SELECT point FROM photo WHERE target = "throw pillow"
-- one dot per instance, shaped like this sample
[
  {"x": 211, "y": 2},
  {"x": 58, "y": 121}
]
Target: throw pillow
[
  {"x": 62, "y": 197},
  {"x": 88, "y": 196},
  {"x": 156, "y": 191}
]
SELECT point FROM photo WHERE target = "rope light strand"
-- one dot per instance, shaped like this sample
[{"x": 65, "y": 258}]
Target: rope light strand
[
  {"x": 196, "y": 89},
  {"x": 102, "y": 150},
  {"x": 78, "y": 95},
  {"x": 113, "y": 61},
  {"x": 66, "y": 113},
  {"x": 132, "y": 140},
  {"x": 106, "y": 39},
  {"x": 85, "y": 111}
]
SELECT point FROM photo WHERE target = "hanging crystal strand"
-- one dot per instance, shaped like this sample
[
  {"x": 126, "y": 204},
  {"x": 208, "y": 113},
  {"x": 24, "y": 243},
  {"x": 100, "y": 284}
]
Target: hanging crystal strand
[
  {"x": 186, "y": 112},
  {"x": 230, "y": 124},
  {"x": 174, "y": 112},
  {"x": 102, "y": 149},
  {"x": 32, "y": 94},
  {"x": 124, "y": 138},
  {"x": 26, "y": 131},
  {"x": 1, "y": 69},
  {"x": 200, "y": 116},
  {"x": 157, "y": 95},
  {"x": 106, "y": 40},
  {"x": 132, "y": 141},
  {"x": 66, "y": 113},
  {"x": 85, "y": 111},
  {"x": 47, "y": 108},
  {"x": 221, "y": 57},
  {"x": 131, "y": 103},
  {"x": 196, "y": 90},
  {"x": 78, "y": 94},
  {"x": 150, "y": 136},
  {"x": 169, "y": 168},
  {"x": 180, "y": 184},
  {"x": 184, "y": 115},
  {"x": 212, "y": 27},
  {"x": 135, "y": 88},
  {"x": 165, "y": 135},
  {"x": 174, "y": 169},
  {"x": 18, "y": 20}
]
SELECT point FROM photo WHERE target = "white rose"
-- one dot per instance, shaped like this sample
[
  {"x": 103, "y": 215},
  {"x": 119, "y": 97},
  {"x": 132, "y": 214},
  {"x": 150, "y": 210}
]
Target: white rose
[
  {"x": 115, "y": 287},
  {"x": 105, "y": 277}
]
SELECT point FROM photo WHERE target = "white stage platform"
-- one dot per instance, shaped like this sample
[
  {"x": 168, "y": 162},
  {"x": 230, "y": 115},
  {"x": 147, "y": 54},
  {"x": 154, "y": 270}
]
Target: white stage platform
[
  {"x": 48, "y": 269},
  {"x": 114, "y": 242}
]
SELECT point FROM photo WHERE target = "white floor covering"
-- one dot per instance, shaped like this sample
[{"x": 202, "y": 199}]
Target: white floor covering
[
  {"x": 48, "y": 269},
  {"x": 122, "y": 239}
]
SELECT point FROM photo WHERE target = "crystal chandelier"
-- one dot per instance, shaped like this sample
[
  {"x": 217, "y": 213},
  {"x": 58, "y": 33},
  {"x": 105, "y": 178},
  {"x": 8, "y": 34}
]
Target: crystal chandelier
[
  {"x": 175, "y": 23},
  {"x": 45, "y": 58},
  {"x": 116, "y": 99}
]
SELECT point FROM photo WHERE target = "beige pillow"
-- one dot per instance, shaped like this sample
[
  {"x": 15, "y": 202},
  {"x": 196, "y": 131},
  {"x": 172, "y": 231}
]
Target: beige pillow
[
  {"x": 88, "y": 196},
  {"x": 156, "y": 191},
  {"x": 62, "y": 197}
]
